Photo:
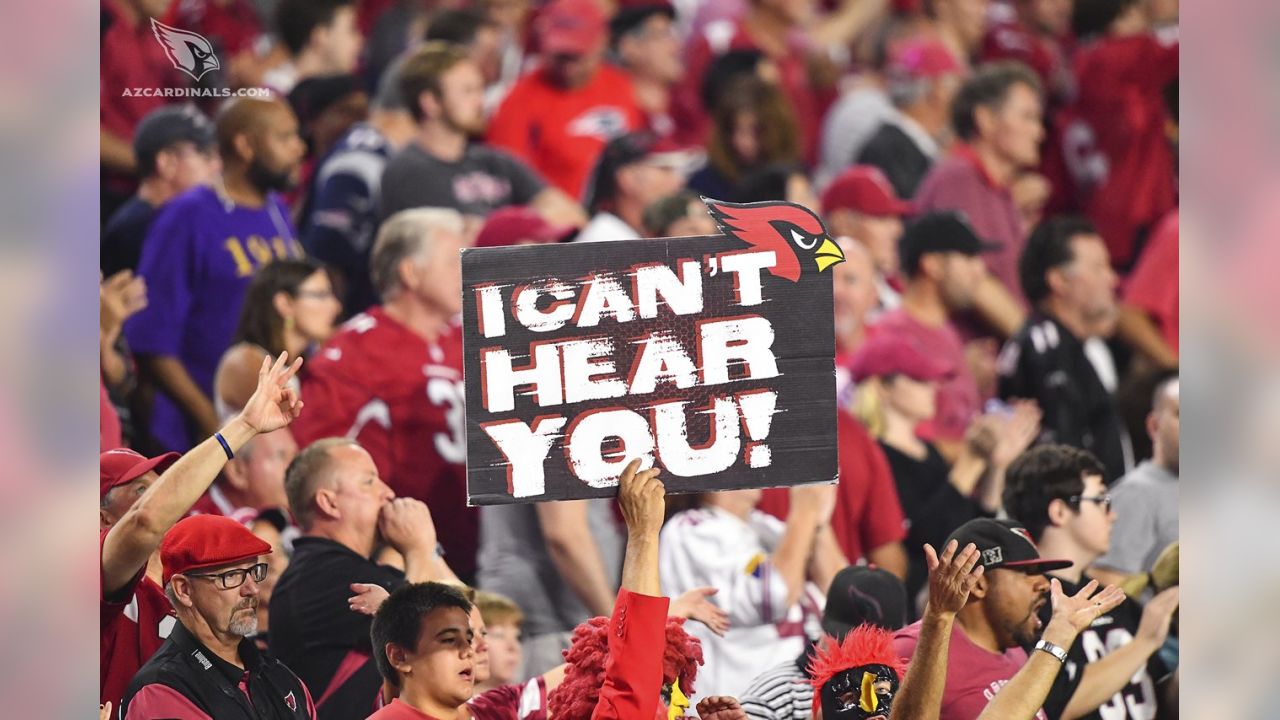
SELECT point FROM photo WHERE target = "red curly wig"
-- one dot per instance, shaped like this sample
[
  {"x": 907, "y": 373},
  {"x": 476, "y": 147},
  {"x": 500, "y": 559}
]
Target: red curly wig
[
  {"x": 576, "y": 697},
  {"x": 864, "y": 645}
]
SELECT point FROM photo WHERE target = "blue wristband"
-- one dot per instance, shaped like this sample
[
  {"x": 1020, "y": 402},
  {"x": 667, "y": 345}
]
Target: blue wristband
[{"x": 225, "y": 447}]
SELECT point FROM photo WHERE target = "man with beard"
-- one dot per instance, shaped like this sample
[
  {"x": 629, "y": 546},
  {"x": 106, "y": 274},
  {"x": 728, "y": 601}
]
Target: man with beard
[
  {"x": 1059, "y": 357},
  {"x": 209, "y": 667},
  {"x": 198, "y": 258},
  {"x": 441, "y": 166}
]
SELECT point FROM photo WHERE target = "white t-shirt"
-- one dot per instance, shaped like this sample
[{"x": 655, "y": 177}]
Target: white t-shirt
[
  {"x": 712, "y": 547},
  {"x": 605, "y": 227}
]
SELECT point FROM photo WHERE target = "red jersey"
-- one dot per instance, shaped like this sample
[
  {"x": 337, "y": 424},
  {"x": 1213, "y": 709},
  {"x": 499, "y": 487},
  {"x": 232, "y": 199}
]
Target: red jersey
[
  {"x": 559, "y": 132},
  {"x": 400, "y": 397},
  {"x": 1153, "y": 286},
  {"x": 1121, "y": 84},
  {"x": 132, "y": 58},
  {"x": 868, "y": 514},
  {"x": 134, "y": 623}
]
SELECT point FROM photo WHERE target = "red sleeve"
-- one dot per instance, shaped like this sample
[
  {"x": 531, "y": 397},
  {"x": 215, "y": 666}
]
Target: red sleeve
[
  {"x": 884, "y": 520},
  {"x": 633, "y": 672},
  {"x": 162, "y": 701},
  {"x": 509, "y": 127},
  {"x": 341, "y": 408},
  {"x": 1153, "y": 286},
  {"x": 113, "y": 605}
]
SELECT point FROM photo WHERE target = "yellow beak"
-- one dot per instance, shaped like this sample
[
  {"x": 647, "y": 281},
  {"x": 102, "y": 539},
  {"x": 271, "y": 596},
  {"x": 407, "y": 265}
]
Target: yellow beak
[
  {"x": 679, "y": 703},
  {"x": 870, "y": 701},
  {"x": 828, "y": 254}
]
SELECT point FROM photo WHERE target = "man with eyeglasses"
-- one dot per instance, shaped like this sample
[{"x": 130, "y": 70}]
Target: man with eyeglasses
[
  {"x": 1111, "y": 669},
  {"x": 210, "y": 667}
]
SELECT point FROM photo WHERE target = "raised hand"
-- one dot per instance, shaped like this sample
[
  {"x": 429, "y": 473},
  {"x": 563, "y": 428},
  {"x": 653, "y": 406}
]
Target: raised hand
[
  {"x": 1157, "y": 616},
  {"x": 721, "y": 707},
  {"x": 820, "y": 497},
  {"x": 273, "y": 404},
  {"x": 951, "y": 577},
  {"x": 120, "y": 296},
  {"x": 1015, "y": 432},
  {"x": 367, "y": 599},
  {"x": 694, "y": 605},
  {"x": 1074, "y": 613},
  {"x": 643, "y": 500}
]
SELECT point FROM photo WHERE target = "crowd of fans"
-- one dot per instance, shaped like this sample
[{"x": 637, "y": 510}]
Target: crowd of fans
[{"x": 284, "y": 527}]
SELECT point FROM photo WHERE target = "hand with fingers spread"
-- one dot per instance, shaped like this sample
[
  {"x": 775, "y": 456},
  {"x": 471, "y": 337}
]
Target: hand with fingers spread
[
  {"x": 1072, "y": 614},
  {"x": 367, "y": 599},
  {"x": 951, "y": 577},
  {"x": 721, "y": 707},
  {"x": 120, "y": 297},
  {"x": 695, "y": 605},
  {"x": 274, "y": 404}
]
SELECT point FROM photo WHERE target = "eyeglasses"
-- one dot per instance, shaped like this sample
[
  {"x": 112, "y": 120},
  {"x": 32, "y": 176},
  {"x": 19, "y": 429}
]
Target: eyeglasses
[
  {"x": 233, "y": 579},
  {"x": 1103, "y": 500}
]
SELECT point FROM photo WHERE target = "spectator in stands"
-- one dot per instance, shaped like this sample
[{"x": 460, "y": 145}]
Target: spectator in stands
[
  {"x": 253, "y": 481},
  {"x": 343, "y": 509},
  {"x": 897, "y": 391},
  {"x": 510, "y": 17},
  {"x": 174, "y": 149},
  {"x": 985, "y": 651},
  {"x": 862, "y": 205},
  {"x": 1149, "y": 306},
  {"x": 1058, "y": 358},
  {"x": 503, "y": 620},
  {"x": 996, "y": 118},
  {"x": 633, "y": 172},
  {"x": 858, "y": 594},
  {"x": 680, "y": 215},
  {"x": 141, "y": 499},
  {"x": 1036, "y": 33},
  {"x": 559, "y": 117},
  {"x": 643, "y": 39},
  {"x": 478, "y": 34},
  {"x": 288, "y": 307},
  {"x": 322, "y": 38},
  {"x": 853, "y": 292},
  {"x": 270, "y": 527},
  {"x": 199, "y": 257},
  {"x": 960, "y": 25},
  {"x": 441, "y": 167},
  {"x": 405, "y": 408},
  {"x": 1057, "y": 491},
  {"x": 327, "y": 107},
  {"x": 752, "y": 128},
  {"x": 342, "y": 216},
  {"x": 1123, "y": 70},
  {"x": 1146, "y": 499},
  {"x": 216, "y": 618},
  {"x": 922, "y": 78},
  {"x": 770, "y": 576}
]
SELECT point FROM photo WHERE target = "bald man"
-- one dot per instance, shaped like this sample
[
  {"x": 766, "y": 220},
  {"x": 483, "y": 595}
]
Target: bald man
[{"x": 199, "y": 256}]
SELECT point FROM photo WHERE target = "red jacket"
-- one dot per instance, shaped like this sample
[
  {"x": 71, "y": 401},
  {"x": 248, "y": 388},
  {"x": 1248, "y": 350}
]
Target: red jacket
[{"x": 633, "y": 672}]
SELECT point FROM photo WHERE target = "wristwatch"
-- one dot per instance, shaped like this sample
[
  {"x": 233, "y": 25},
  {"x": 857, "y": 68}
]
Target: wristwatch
[{"x": 1052, "y": 649}]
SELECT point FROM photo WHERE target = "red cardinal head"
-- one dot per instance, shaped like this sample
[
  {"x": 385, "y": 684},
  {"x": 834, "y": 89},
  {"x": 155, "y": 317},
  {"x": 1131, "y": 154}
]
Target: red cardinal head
[{"x": 792, "y": 232}]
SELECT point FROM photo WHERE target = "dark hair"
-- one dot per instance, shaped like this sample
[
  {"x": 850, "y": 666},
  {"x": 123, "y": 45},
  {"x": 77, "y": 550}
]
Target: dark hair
[
  {"x": 1041, "y": 475},
  {"x": 421, "y": 72},
  {"x": 399, "y": 619},
  {"x": 724, "y": 70},
  {"x": 988, "y": 87},
  {"x": 297, "y": 19},
  {"x": 1094, "y": 17},
  {"x": 459, "y": 27},
  {"x": 766, "y": 184},
  {"x": 260, "y": 324},
  {"x": 664, "y": 212},
  {"x": 1049, "y": 247},
  {"x": 779, "y": 134}
]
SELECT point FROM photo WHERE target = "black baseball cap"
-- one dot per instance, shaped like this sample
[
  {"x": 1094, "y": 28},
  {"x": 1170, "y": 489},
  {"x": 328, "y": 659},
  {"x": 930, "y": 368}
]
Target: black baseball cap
[
  {"x": 944, "y": 231},
  {"x": 631, "y": 15},
  {"x": 167, "y": 126},
  {"x": 633, "y": 147},
  {"x": 1004, "y": 544},
  {"x": 864, "y": 594}
]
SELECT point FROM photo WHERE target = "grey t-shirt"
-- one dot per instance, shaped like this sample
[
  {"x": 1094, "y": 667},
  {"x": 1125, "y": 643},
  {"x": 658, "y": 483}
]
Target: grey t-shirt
[
  {"x": 1146, "y": 507},
  {"x": 514, "y": 561},
  {"x": 482, "y": 181}
]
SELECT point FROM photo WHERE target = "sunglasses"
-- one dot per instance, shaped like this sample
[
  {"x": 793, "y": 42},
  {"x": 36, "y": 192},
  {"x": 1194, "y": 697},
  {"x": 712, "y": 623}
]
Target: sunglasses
[{"x": 233, "y": 579}]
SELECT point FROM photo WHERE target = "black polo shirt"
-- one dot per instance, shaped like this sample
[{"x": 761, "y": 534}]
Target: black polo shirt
[{"x": 315, "y": 632}]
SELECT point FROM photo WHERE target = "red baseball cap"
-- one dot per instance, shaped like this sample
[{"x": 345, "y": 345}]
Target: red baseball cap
[
  {"x": 888, "y": 353},
  {"x": 202, "y": 541},
  {"x": 572, "y": 27},
  {"x": 923, "y": 58},
  {"x": 516, "y": 222},
  {"x": 122, "y": 465},
  {"x": 864, "y": 189}
]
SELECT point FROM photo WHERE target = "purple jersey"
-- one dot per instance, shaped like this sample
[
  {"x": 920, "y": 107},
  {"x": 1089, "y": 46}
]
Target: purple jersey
[{"x": 198, "y": 258}]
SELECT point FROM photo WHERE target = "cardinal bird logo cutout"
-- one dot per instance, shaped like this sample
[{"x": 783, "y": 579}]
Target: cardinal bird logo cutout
[
  {"x": 796, "y": 236},
  {"x": 189, "y": 52}
]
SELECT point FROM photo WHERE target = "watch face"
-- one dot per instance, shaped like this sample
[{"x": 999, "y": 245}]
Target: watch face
[{"x": 860, "y": 693}]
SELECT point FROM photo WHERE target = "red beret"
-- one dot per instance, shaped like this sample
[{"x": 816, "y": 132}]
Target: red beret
[
  {"x": 122, "y": 465},
  {"x": 202, "y": 541}
]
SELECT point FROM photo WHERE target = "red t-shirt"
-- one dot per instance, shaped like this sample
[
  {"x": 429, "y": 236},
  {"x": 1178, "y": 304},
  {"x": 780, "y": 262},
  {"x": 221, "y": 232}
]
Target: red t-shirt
[
  {"x": 559, "y": 132},
  {"x": 512, "y": 702},
  {"x": 868, "y": 514},
  {"x": 400, "y": 397},
  {"x": 399, "y": 710},
  {"x": 134, "y": 623},
  {"x": 231, "y": 25},
  {"x": 1122, "y": 81},
  {"x": 131, "y": 58},
  {"x": 974, "y": 674},
  {"x": 958, "y": 399},
  {"x": 1153, "y": 286}
]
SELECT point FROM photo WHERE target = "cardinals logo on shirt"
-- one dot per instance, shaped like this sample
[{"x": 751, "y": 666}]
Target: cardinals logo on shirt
[
  {"x": 189, "y": 52},
  {"x": 794, "y": 233}
]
